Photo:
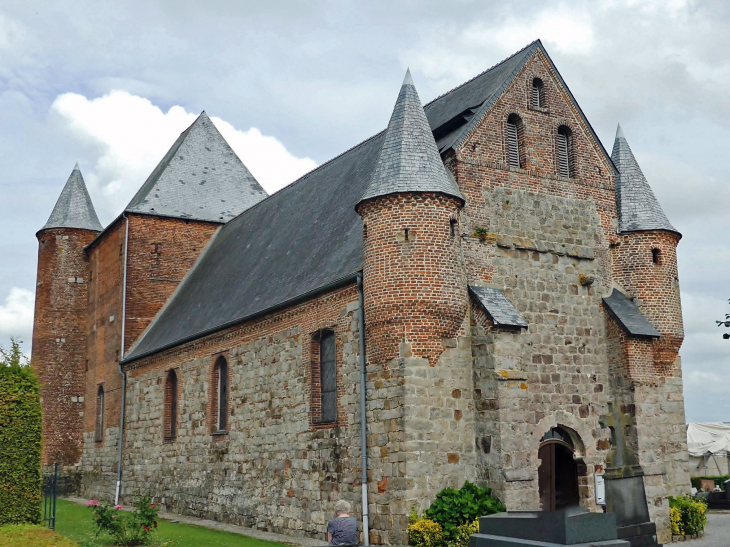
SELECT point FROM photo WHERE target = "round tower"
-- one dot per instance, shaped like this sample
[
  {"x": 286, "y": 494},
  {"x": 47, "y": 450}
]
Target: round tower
[
  {"x": 415, "y": 289},
  {"x": 59, "y": 327},
  {"x": 645, "y": 261}
]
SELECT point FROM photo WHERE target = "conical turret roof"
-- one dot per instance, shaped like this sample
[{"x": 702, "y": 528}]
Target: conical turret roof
[
  {"x": 74, "y": 208},
  {"x": 638, "y": 208},
  {"x": 200, "y": 178},
  {"x": 409, "y": 160}
]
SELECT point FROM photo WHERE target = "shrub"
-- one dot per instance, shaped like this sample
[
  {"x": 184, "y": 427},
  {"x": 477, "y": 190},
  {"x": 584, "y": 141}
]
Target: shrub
[
  {"x": 719, "y": 480},
  {"x": 32, "y": 535},
  {"x": 452, "y": 508},
  {"x": 692, "y": 515},
  {"x": 20, "y": 440},
  {"x": 464, "y": 532},
  {"x": 675, "y": 518},
  {"x": 128, "y": 529},
  {"x": 425, "y": 533}
]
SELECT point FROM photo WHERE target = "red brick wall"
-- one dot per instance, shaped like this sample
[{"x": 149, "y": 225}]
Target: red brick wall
[
  {"x": 656, "y": 285},
  {"x": 415, "y": 290},
  {"x": 161, "y": 251},
  {"x": 59, "y": 340}
]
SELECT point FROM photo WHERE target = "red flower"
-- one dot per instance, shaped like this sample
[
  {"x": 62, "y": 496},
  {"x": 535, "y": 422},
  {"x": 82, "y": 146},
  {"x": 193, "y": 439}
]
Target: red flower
[
  {"x": 153, "y": 506},
  {"x": 155, "y": 523},
  {"x": 147, "y": 528}
]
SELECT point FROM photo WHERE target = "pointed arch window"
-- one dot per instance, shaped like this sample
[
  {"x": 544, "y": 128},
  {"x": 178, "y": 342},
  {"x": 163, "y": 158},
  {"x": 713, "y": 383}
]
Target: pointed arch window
[
  {"x": 171, "y": 405},
  {"x": 324, "y": 377},
  {"x": 566, "y": 156},
  {"x": 538, "y": 93},
  {"x": 515, "y": 141},
  {"x": 99, "y": 422},
  {"x": 219, "y": 399}
]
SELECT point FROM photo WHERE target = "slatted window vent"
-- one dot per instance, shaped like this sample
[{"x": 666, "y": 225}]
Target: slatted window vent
[
  {"x": 171, "y": 405},
  {"x": 538, "y": 93},
  {"x": 514, "y": 130},
  {"x": 565, "y": 153}
]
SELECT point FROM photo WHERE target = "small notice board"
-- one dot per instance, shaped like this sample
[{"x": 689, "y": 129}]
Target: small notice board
[{"x": 600, "y": 489}]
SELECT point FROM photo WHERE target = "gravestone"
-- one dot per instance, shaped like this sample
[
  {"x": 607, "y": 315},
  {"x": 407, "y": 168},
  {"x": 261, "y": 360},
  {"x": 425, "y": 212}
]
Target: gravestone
[
  {"x": 574, "y": 526},
  {"x": 624, "y": 480}
]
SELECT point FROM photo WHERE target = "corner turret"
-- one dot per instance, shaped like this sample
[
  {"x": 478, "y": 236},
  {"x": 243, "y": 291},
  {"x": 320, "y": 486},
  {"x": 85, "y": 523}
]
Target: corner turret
[{"x": 59, "y": 325}]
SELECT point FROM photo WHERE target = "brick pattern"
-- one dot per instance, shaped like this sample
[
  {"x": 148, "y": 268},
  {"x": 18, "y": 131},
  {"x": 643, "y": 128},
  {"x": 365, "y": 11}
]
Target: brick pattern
[
  {"x": 59, "y": 340},
  {"x": 414, "y": 291}
]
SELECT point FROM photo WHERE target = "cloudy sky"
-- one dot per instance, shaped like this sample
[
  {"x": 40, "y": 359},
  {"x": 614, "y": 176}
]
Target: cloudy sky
[{"x": 291, "y": 84}]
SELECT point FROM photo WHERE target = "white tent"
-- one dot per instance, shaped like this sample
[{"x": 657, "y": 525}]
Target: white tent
[{"x": 709, "y": 447}]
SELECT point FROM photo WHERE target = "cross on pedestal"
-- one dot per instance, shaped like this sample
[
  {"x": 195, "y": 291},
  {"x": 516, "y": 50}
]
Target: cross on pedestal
[{"x": 618, "y": 422}]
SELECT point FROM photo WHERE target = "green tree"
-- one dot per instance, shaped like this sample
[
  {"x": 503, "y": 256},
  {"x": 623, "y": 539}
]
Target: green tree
[{"x": 20, "y": 439}]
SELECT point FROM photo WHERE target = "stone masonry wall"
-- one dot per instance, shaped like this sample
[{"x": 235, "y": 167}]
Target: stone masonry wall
[
  {"x": 274, "y": 469},
  {"x": 59, "y": 340},
  {"x": 547, "y": 247}
]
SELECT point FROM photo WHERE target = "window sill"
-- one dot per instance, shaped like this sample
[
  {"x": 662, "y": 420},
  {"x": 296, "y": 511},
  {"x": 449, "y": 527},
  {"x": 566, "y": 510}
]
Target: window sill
[
  {"x": 221, "y": 433},
  {"x": 168, "y": 440},
  {"x": 543, "y": 109}
]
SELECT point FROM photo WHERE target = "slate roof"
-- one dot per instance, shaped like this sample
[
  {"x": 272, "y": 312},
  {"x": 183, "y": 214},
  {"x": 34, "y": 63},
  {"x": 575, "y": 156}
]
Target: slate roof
[
  {"x": 495, "y": 304},
  {"x": 74, "y": 208},
  {"x": 409, "y": 160},
  {"x": 637, "y": 206},
  {"x": 307, "y": 237},
  {"x": 628, "y": 316},
  {"x": 200, "y": 178}
]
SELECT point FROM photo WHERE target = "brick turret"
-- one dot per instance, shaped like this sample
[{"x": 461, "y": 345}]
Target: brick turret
[
  {"x": 645, "y": 261},
  {"x": 59, "y": 329},
  {"x": 415, "y": 293}
]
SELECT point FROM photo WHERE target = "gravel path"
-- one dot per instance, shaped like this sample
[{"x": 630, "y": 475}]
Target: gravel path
[{"x": 717, "y": 533}]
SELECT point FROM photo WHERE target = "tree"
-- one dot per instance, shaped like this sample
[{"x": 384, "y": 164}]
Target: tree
[
  {"x": 726, "y": 324},
  {"x": 13, "y": 357}
]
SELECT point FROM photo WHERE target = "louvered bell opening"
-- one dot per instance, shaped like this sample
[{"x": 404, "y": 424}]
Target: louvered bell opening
[
  {"x": 328, "y": 373},
  {"x": 536, "y": 96},
  {"x": 563, "y": 159},
  {"x": 513, "y": 147}
]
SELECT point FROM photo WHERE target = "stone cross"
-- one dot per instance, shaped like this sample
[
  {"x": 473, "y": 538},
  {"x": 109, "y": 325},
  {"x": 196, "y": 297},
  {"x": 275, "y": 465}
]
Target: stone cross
[{"x": 618, "y": 422}]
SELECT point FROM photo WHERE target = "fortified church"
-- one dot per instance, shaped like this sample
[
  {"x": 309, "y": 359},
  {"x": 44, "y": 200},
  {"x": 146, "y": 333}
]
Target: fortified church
[{"x": 501, "y": 284}]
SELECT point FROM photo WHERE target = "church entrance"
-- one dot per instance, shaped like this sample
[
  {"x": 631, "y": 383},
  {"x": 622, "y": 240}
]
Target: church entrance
[{"x": 558, "y": 471}]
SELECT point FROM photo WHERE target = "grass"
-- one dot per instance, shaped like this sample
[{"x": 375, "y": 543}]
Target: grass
[
  {"x": 74, "y": 521},
  {"x": 38, "y": 536}
]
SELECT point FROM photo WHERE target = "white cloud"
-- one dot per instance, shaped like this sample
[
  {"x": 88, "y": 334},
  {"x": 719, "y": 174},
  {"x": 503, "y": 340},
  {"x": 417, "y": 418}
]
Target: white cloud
[
  {"x": 128, "y": 135},
  {"x": 16, "y": 314}
]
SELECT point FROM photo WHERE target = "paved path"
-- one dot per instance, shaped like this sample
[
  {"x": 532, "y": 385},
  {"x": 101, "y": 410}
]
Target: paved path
[
  {"x": 717, "y": 532},
  {"x": 250, "y": 532}
]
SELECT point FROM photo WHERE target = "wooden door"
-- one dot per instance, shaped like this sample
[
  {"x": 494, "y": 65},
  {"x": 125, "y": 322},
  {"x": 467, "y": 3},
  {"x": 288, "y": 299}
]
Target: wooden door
[{"x": 557, "y": 477}]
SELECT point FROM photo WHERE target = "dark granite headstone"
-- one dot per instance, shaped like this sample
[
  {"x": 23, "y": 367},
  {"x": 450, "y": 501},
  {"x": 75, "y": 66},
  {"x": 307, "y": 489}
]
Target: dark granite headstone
[
  {"x": 574, "y": 526},
  {"x": 624, "y": 482}
]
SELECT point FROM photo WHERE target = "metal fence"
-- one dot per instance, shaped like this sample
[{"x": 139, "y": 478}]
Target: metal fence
[{"x": 49, "y": 489}]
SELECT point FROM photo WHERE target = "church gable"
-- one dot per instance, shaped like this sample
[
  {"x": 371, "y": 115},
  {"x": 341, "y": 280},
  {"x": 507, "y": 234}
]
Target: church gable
[{"x": 537, "y": 105}]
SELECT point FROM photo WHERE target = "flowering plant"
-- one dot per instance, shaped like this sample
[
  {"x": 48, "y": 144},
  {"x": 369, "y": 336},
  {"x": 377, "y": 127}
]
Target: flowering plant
[{"x": 130, "y": 528}]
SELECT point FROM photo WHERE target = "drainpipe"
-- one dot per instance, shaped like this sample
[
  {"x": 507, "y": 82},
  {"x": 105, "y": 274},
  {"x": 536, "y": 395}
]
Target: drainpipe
[
  {"x": 363, "y": 416},
  {"x": 121, "y": 357}
]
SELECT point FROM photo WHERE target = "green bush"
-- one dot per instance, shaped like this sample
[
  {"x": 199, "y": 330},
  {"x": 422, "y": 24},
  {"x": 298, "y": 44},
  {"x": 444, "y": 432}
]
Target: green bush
[
  {"x": 693, "y": 514},
  {"x": 129, "y": 528},
  {"x": 452, "y": 508},
  {"x": 719, "y": 481},
  {"x": 20, "y": 440},
  {"x": 464, "y": 532},
  {"x": 425, "y": 533}
]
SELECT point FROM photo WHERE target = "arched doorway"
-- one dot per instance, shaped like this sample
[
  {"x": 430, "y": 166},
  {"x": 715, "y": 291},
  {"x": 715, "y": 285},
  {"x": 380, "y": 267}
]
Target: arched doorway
[{"x": 558, "y": 471}]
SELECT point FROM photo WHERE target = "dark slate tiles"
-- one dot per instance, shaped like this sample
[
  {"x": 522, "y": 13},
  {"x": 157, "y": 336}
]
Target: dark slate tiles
[
  {"x": 74, "y": 208},
  {"x": 637, "y": 206},
  {"x": 628, "y": 316},
  {"x": 497, "y": 307},
  {"x": 409, "y": 160},
  {"x": 200, "y": 178}
]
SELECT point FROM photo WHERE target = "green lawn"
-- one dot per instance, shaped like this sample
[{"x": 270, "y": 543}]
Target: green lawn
[{"x": 74, "y": 521}]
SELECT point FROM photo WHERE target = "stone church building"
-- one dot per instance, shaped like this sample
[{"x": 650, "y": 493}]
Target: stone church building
[{"x": 483, "y": 271}]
